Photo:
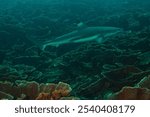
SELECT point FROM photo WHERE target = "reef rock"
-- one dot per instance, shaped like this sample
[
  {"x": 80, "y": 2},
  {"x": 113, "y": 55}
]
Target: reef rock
[
  {"x": 33, "y": 90},
  {"x": 131, "y": 93}
]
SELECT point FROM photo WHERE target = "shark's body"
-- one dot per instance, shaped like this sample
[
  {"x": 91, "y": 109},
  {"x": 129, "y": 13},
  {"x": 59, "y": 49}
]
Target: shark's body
[{"x": 84, "y": 35}]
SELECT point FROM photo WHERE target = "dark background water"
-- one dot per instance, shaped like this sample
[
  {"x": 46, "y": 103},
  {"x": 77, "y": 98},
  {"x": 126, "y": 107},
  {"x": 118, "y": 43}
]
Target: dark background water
[
  {"x": 26, "y": 24},
  {"x": 56, "y": 14}
]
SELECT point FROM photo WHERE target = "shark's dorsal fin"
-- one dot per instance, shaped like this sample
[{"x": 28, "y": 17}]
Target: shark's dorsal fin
[{"x": 81, "y": 26}]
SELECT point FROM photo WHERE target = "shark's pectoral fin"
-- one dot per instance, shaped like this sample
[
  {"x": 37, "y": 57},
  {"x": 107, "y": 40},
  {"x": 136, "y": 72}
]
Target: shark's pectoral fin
[{"x": 99, "y": 38}]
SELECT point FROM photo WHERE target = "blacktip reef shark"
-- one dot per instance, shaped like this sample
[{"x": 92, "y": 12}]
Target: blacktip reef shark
[{"x": 84, "y": 34}]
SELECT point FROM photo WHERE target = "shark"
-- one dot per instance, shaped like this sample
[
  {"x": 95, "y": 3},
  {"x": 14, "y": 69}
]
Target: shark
[{"x": 84, "y": 34}]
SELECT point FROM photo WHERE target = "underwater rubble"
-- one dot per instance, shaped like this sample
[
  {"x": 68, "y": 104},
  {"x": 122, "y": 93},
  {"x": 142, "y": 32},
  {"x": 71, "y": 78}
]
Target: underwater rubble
[{"x": 119, "y": 68}]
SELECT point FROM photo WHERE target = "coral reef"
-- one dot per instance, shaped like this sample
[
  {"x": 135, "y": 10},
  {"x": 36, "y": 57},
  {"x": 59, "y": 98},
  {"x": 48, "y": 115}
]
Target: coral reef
[
  {"x": 140, "y": 92},
  {"x": 125, "y": 76},
  {"x": 33, "y": 90},
  {"x": 58, "y": 91},
  {"x": 131, "y": 93},
  {"x": 121, "y": 64},
  {"x": 144, "y": 83}
]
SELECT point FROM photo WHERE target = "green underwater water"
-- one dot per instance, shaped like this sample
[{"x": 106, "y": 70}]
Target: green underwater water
[{"x": 76, "y": 42}]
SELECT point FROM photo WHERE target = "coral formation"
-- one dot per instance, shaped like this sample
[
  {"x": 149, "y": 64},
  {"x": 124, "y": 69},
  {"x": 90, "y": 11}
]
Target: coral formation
[
  {"x": 144, "y": 83},
  {"x": 33, "y": 90},
  {"x": 140, "y": 92},
  {"x": 58, "y": 91},
  {"x": 120, "y": 64},
  {"x": 131, "y": 93}
]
